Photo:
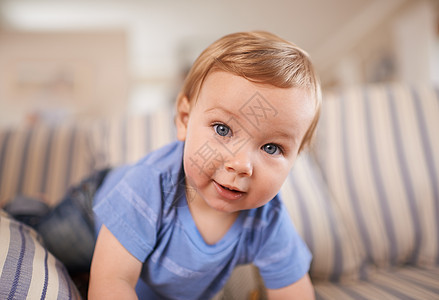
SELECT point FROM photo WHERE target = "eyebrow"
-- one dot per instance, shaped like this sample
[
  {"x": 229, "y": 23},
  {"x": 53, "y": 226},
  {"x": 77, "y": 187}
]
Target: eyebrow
[
  {"x": 285, "y": 135},
  {"x": 223, "y": 110}
]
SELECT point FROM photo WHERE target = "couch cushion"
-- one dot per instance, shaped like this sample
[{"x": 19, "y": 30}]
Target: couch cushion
[
  {"x": 400, "y": 283},
  {"x": 317, "y": 218},
  {"x": 42, "y": 160},
  {"x": 27, "y": 269},
  {"x": 378, "y": 149}
]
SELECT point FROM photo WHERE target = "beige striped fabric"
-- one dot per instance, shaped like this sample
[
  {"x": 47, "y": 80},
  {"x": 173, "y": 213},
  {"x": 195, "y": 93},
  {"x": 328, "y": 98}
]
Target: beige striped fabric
[
  {"x": 42, "y": 161},
  {"x": 336, "y": 256},
  {"x": 394, "y": 284},
  {"x": 126, "y": 139},
  {"x": 27, "y": 269},
  {"x": 378, "y": 149}
]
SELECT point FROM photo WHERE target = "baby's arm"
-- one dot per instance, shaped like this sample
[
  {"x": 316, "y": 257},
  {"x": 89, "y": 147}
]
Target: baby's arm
[
  {"x": 114, "y": 271},
  {"x": 301, "y": 289}
]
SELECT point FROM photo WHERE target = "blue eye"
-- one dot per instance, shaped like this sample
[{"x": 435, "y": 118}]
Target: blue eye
[
  {"x": 221, "y": 129},
  {"x": 271, "y": 149}
]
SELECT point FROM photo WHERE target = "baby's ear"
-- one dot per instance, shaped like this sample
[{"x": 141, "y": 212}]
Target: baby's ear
[{"x": 182, "y": 117}]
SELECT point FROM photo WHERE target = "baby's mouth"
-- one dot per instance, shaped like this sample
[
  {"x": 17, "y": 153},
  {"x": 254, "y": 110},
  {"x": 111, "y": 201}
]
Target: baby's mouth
[
  {"x": 229, "y": 189},
  {"x": 228, "y": 192}
]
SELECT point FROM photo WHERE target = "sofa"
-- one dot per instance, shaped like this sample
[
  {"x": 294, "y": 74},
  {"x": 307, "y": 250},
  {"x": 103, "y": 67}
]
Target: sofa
[{"x": 364, "y": 197}]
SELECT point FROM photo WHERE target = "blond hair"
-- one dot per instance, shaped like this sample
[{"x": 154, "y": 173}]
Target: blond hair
[{"x": 259, "y": 57}]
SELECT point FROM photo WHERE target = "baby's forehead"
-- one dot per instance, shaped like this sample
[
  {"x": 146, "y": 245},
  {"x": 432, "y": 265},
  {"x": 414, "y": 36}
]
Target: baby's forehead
[
  {"x": 254, "y": 100},
  {"x": 213, "y": 81}
]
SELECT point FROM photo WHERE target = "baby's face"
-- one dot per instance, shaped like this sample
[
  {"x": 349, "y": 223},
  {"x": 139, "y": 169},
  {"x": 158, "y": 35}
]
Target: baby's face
[{"x": 242, "y": 139}]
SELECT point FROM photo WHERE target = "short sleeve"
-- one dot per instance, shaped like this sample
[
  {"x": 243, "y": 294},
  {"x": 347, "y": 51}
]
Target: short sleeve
[
  {"x": 283, "y": 258},
  {"x": 130, "y": 209}
]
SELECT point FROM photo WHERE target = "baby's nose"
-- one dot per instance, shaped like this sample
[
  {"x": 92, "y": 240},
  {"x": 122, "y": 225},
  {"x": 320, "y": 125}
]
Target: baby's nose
[{"x": 240, "y": 163}]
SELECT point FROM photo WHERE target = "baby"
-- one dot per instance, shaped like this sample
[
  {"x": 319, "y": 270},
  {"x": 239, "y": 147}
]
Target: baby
[{"x": 185, "y": 215}]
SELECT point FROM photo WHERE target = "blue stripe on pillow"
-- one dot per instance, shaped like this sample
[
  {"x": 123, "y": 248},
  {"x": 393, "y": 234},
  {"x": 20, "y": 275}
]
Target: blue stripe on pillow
[
  {"x": 349, "y": 176},
  {"x": 20, "y": 266},
  {"x": 405, "y": 173},
  {"x": 46, "y": 275},
  {"x": 307, "y": 226},
  {"x": 378, "y": 181},
  {"x": 23, "y": 161},
  {"x": 15, "y": 282},
  {"x": 338, "y": 267},
  {"x": 70, "y": 157},
  {"x": 338, "y": 243},
  {"x": 46, "y": 164},
  {"x": 10, "y": 265},
  {"x": 428, "y": 155},
  {"x": 304, "y": 214}
]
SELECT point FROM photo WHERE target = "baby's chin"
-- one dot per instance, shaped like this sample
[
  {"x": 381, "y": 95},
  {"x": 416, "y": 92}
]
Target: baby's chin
[{"x": 235, "y": 208}]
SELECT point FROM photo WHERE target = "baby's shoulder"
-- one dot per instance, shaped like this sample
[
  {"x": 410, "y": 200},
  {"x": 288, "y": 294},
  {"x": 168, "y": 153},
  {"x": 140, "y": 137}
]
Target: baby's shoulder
[
  {"x": 164, "y": 158},
  {"x": 148, "y": 180}
]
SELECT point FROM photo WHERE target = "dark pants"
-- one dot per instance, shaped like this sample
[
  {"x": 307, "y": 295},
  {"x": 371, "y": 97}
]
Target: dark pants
[{"x": 68, "y": 230}]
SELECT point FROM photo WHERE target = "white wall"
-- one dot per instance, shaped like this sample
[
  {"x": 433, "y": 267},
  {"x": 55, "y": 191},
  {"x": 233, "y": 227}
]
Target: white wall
[
  {"x": 158, "y": 30},
  {"x": 347, "y": 39},
  {"x": 402, "y": 45},
  {"x": 416, "y": 42},
  {"x": 57, "y": 75}
]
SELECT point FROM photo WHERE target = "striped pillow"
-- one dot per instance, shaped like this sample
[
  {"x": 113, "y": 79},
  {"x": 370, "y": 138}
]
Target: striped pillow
[
  {"x": 126, "y": 139},
  {"x": 27, "y": 269},
  {"x": 379, "y": 153},
  {"x": 42, "y": 161},
  {"x": 316, "y": 217}
]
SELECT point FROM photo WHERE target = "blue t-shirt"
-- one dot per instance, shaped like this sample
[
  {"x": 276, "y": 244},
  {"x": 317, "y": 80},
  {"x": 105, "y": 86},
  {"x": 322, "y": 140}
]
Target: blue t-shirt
[{"x": 145, "y": 208}]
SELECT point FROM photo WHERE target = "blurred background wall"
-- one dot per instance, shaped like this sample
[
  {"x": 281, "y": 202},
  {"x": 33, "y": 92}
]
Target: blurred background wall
[{"x": 77, "y": 58}]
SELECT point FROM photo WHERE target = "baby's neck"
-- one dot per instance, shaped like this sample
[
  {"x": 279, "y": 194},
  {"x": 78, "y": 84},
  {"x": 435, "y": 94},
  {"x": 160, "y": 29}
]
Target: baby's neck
[{"x": 212, "y": 225}]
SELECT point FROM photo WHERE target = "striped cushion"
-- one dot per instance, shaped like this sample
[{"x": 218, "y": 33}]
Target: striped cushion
[
  {"x": 42, "y": 161},
  {"x": 27, "y": 269},
  {"x": 379, "y": 154},
  {"x": 128, "y": 138},
  {"x": 403, "y": 283},
  {"x": 317, "y": 219}
]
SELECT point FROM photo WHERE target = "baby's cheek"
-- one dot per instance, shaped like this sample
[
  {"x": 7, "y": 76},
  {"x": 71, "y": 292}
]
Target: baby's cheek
[{"x": 271, "y": 185}]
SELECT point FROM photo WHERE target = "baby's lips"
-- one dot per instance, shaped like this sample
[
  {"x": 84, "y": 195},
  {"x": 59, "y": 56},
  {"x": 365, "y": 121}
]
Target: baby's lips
[{"x": 226, "y": 193}]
